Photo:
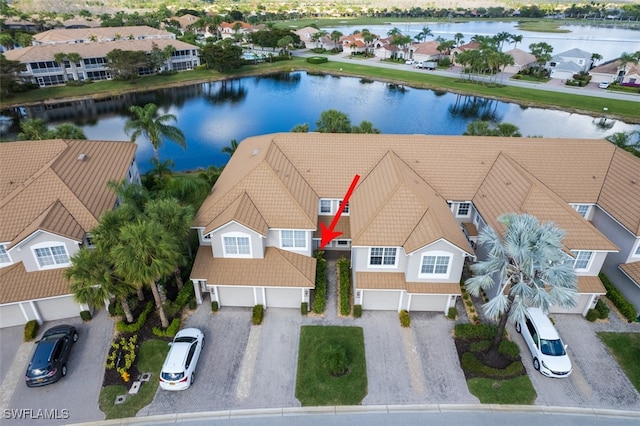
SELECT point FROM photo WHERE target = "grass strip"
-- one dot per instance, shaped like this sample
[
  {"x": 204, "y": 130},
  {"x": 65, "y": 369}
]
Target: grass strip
[
  {"x": 512, "y": 391},
  {"x": 625, "y": 348}
]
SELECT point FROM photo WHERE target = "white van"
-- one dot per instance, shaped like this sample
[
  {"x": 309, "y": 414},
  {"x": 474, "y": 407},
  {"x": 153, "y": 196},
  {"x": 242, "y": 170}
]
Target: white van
[{"x": 547, "y": 349}]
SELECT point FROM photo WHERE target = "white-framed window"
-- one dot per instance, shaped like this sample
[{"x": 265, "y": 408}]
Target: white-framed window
[
  {"x": 293, "y": 239},
  {"x": 383, "y": 256},
  {"x": 51, "y": 255},
  {"x": 463, "y": 209},
  {"x": 236, "y": 245},
  {"x": 325, "y": 206},
  {"x": 435, "y": 264},
  {"x": 342, "y": 243},
  {"x": 637, "y": 253},
  {"x": 582, "y": 259},
  {"x": 346, "y": 208},
  {"x": 582, "y": 209},
  {"x": 4, "y": 255}
]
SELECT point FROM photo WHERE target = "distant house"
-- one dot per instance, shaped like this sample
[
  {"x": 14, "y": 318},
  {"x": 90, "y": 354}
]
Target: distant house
[
  {"x": 52, "y": 194},
  {"x": 81, "y": 23},
  {"x": 227, "y": 30},
  {"x": 412, "y": 222},
  {"x": 100, "y": 34},
  {"x": 426, "y": 51},
  {"x": 608, "y": 71},
  {"x": 564, "y": 65},
  {"x": 521, "y": 60},
  {"x": 631, "y": 75},
  {"x": 453, "y": 55},
  {"x": 185, "y": 21},
  {"x": 306, "y": 35},
  {"x": 355, "y": 43}
]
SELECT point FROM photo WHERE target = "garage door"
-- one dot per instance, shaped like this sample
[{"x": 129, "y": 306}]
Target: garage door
[
  {"x": 428, "y": 302},
  {"x": 58, "y": 308},
  {"x": 581, "y": 303},
  {"x": 236, "y": 296},
  {"x": 284, "y": 297},
  {"x": 11, "y": 315},
  {"x": 381, "y": 300}
]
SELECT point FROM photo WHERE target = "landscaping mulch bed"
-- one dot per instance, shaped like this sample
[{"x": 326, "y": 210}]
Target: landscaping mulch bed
[{"x": 488, "y": 358}]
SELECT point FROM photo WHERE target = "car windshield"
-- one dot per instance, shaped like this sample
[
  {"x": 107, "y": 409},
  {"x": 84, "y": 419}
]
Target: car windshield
[
  {"x": 552, "y": 347},
  {"x": 172, "y": 376},
  {"x": 184, "y": 339}
]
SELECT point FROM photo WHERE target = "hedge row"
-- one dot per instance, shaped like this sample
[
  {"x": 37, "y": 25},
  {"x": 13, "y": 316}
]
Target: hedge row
[
  {"x": 476, "y": 331},
  {"x": 471, "y": 364},
  {"x": 317, "y": 59},
  {"x": 613, "y": 294},
  {"x": 345, "y": 286},
  {"x": 320, "y": 297},
  {"x": 170, "y": 331},
  {"x": 123, "y": 327}
]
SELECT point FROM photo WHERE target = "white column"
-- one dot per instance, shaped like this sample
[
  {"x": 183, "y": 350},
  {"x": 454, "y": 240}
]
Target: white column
[
  {"x": 35, "y": 312},
  {"x": 197, "y": 291}
]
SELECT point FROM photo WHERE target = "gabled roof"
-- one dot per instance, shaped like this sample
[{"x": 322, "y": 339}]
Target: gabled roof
[
  {"x": 620, "y": 195},
  {"x": 243, "y": 211},
  {"x": 520, "y": 57},
  {"x": 66, "y": 35},
  {"x": 32, "y": 285},
  {"x": 58, "y": 185},
  {"x": 631, "y": 270},
  {"x": 427, "y": 48},
  {"x": 572, "y": 53}
]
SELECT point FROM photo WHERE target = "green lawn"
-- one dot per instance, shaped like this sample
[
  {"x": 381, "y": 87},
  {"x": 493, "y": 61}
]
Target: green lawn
[
  {"x": 512, "y": 391},
  {"x": 150, "y": 358},
  {"x": 545, "y": 26},
  {"x": 626, "y": 349},
  {"x": 314, "y": 385}
]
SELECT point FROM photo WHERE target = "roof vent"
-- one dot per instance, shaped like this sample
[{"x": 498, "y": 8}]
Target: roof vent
[
  {"x": 255, "y": 152},
  {"x": 82, "y": 157}
]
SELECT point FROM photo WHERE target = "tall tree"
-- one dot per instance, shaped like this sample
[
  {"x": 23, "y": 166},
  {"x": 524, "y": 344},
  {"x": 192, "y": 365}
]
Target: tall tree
[
  {"x": 231, "y": 149},
  {"x": 515, "y": 39},
  {"x": 333, "y": 121},
  {"x": 335, "y": 38},
  {"x": 529, "y": 266},
  {"x": 542, "y": 52},
  {"x": 66, "y": 131},
  {"x": 33, "y": 129},
  {"x": 9, "y": 75},
  {"x": 125, "y": 64},
  {"x": 459, "y": 38},
  {"x": 147, "y": 123},
  {"x": 625, "y": 140},
  {"x": 146, "y": 254}
]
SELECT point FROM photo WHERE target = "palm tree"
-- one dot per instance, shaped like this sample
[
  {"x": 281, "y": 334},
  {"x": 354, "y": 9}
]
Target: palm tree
[
  {"x": 59, "y": 58},
  {"x": 530, "y": 265},
  {"x": 333, "y": 121},
  {"x": 595, "y": 57},
  {"x": 335, "y": 38},
  {"x": 92, "y": 281},
  {"x": 426, "y": 32},
  {"x": 365, "y": 127},
  {"x": 154, "y": 128},
  {"x": 231, "y": 149},
  {"x": 146, "y": 254},
  {"x": 33, "y": 129},
  {"x": 459, "y": 38},
  {"x": 300, "y": 128},
  {"x": 66, "y": 131},
  {"x": 515, "y": 39},
  {"x": 625, "y": 141}
]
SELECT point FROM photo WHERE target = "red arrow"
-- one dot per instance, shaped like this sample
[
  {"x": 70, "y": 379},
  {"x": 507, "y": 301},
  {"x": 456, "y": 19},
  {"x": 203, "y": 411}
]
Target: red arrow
[{"x": 329, "y": 234}]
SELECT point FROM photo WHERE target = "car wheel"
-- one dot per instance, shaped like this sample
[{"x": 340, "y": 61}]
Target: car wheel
[
  {"x": 75, "y": 336},
  {"x": 518, "y": 327},
  {"x": 536, "y": 364},
  {"x": 64, "y": 370}
]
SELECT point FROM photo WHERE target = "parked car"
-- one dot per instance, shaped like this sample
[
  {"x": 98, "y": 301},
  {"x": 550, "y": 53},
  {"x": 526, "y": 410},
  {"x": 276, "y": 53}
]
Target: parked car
[
  {"x": 49, "y": 360},
  {"x": 547, "y": 349},
  {"x": 178, "y": 370},
  {"x": 603, "y": 84},
  {"x": 409, "y": 62}
]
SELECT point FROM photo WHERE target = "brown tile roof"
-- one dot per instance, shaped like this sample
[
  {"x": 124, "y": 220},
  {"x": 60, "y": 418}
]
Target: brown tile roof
[
  {"x": 47, "y": 52},
  {"x": 427, "y": 48},
  {"x": 66, "y": 35},
  {"x": 278, "y": 268},
  {"x": 380, "y": 280},
  {"x": 244, "y": 212},
  {"x": 434, "y": 288},
  {"x": 520, "y": 57},
  {"x": 16, "y": 284},
  {"x": 631, "y": 270},
  {"x": 343, "y": 226},
  {"x": 620, "y": 195},
  {"x": 589, "y": 284},
  {"x": 56, "y": 191}
]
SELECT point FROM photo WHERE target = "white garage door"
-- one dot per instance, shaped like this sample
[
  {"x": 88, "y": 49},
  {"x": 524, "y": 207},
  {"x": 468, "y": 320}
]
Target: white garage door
[
  {"x": 428, "y": 302},
  {"x": 284, "y": 297},
  {"x": 11, "y": 315},
  {"x": 581, "y": 303},
  {"x": 381, "y": 300},
  {"x": 58, "y": 308},
  {"x": 236, "y": 296}
]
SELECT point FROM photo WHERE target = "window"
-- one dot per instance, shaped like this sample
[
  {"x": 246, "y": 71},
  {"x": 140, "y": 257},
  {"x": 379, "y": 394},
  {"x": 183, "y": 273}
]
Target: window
[
  {"x": 637, "y": 253},
  {"x": 582, "y": 259},
  {"x": 382, "y": 256},
  {"x": 582, "y": 209},
  {"x": 4, "y": 256},
  {"x": 435, "y": 265},
  {"x": 237, "y": 246},
  {"x": 346, "y": 208},
  {"x": 325, "y": 206},
  {"x": 293, "y": 239},
  {"x": 49, "y": 256},
  {"x": 463, "y": 209}
]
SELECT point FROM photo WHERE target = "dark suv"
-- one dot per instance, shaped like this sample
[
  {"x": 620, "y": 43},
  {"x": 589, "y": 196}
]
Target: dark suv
[{"x": 49, "y": 360}]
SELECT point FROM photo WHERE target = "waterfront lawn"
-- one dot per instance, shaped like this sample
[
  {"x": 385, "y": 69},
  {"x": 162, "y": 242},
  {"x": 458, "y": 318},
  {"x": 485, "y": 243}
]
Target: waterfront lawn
[
  {"x": 150, "y": 358},
  {"x": 625, "y": 347},
  {"x": 315, "y": 386}
]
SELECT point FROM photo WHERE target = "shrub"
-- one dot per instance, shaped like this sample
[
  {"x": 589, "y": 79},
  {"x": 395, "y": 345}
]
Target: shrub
[
  {"x": 602, "y": 308},
  {"x": 335, "y": 360},
  {"x": 510, "y": 349},
  {"x": 123, "y": 351},
  {"x": 170, "y": 331},
  {"x": 214, "y": 307},
  {"x": 193, "y": 304},
  {"x": 304, "y": 308},
  {"x": 453, "y": 313},
  {"x": 471, "y": 364},
  {"x": 182, "y": 299},
  {"x": 357, "y": 311},
  {"x": 258, "y": 314},
  {"x": 345, "y": 286},
  {"x": 475, "y": 331},
  {"x": 405, "y": 319},
  {"x": 592, "y": 315},
  {"x": 31, "y": 330},
  {"x": 123, "y": 327},
  {"x": 317, "y": 60},
  {"x": 613, "y": 294},
  {"x": 320, "y": 297},
  {"x": 85, "y": 315}
]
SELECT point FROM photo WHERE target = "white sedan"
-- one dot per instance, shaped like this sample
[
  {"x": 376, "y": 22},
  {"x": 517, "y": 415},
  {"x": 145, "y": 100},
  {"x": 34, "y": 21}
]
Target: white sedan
[{"x": 178, "y": 370}]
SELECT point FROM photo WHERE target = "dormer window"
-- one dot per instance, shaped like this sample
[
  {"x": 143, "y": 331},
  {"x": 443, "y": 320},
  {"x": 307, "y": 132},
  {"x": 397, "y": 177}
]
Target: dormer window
[
  {"x": 236, "y": 245},
  {"x": 51, "y": 255}
]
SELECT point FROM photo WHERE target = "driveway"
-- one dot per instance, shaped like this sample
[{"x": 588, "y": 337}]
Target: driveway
[{"x": 72, "y": 399}]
